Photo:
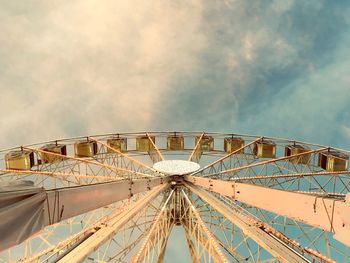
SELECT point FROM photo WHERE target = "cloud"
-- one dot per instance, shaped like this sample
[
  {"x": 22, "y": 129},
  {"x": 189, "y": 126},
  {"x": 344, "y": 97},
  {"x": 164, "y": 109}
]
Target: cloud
[
  {"x": 269, "y": 70},
  {"x": 277, "y": 68},
  {"x": 86, "y": 67}
]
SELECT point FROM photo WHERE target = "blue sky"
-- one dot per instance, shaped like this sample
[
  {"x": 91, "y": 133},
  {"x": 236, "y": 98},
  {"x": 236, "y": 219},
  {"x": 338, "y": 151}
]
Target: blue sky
[{"x": 275, "y": 68}]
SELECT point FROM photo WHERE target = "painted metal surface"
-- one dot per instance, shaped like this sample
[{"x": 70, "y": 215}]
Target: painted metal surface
[
  {"x": 330, "y": 214},
  {"x": 78, "y": 185},
  {"x": 107, "y": 231},
  {"x": 272, "y": 244},
  {"x": 60, "y": 204},
  {"x": 69, "y": 202}
]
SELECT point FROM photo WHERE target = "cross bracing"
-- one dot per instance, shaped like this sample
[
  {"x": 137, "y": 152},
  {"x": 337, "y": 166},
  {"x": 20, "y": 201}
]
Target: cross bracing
[{"x": 99, "y": 198}]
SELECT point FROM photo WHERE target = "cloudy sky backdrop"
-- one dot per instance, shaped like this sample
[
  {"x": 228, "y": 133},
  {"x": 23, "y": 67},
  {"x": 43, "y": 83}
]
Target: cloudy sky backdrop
[{"x": 276, "y": 68}]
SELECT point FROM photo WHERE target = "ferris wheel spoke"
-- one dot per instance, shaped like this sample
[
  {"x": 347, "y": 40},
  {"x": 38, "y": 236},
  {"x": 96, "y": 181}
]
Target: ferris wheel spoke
[
  {"x": 196, "y": 153},
  {"x": 156, "y": 238},
  {"x": 122, "y": 244},
  {"x": 309, "y": 184},
  {"x": 154, "y": 153},
  {"x": 91, "y": 165},
  {"x": 192, "y": 249},
  {"x": 18, "y": 175},
  {"x": 297, "y": 175},
  {"x": 311, "y": 234},
  {"x": 321, "y": 181},
  {"x": 319, "y": 211},
  {"x": 68, "y": 243},
  {"x": 77, "y": 200},
  {"x": 314, "y": 238},
  {"x": 266, "y": 237},
  {"x": 246, "y": 202},
  {"x": 264, "y": 165},
  {"x": 43, "y": 239},
  {"x": 105, "y": 232},
  {"x": 235, "y": 241},
  {"x": 56, "y": 205},
  {"x": 216, "y": 165},
  {"x": 199, "y": 232},
  {"x": 65, "y": 167},
  {"x": 125, "y": 249},
  {"x": 127, "y": 162},
  {"x": 92, "y": 224},
  {"x": 62, "y": 175}
]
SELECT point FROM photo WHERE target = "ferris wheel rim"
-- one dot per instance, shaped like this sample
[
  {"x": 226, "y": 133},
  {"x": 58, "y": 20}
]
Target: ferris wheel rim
[{"x": 220, "y": 170}]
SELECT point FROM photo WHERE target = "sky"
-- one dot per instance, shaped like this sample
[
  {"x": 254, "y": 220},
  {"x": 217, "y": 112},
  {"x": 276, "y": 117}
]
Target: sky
[{"x": 275, "y": 68}]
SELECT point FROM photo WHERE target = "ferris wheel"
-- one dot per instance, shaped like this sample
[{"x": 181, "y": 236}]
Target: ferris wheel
[{"x": 117, "y": 198}]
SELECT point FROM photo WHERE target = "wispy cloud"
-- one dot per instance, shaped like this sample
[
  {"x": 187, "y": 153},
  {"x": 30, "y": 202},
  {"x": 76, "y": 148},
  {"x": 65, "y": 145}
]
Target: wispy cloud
[
  {"x": 276, "y": 69},
  {"x": 87, "y": 67},
  {"x": 90, "y": 67}
]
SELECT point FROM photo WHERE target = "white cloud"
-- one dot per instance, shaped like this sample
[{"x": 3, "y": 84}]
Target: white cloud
[
  {"x": 84, "y": 67},
  {"x": 87, "y": 67}
]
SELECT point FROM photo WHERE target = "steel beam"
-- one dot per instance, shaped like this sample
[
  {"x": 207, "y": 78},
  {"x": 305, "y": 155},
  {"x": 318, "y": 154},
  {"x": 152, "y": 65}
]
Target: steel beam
[
  {"x": 276, "y": 247},
  {"x": 157, "y": 156},
  {"x": 330, "y": 214},
  {"x": 136, "y": 162},
  {"x": 192, "y": 156},
  {"x": 59, "y": 174},
  {"x": 108, "y": 231},
  {"x": 163, "y": 244},
  {"x": 68, "y": 202},
  {"x": 63, "y": 203},
  {"x": 157, "y": 236},
  {"x": 193, "y": 252},
  {"x": 296, "y": 175},
  {"x": 284, "y": 158},
  {"x": 117, "y": 170},
  {"x": 201, "y": 233},
  {"x": 222, "y": 159}
]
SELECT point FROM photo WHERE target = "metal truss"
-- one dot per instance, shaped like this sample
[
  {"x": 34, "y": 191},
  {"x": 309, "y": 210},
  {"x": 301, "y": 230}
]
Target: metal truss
[
  {"x": 196, "y": 153},
  {"x": 153, "y": 247},
  {"x": 312, "y": 238},
  {"x": 275, "y": 246},
  {"x": 315, "y": 210},
  {"x": 106, "y": 231},
  {"x": 198, "y": 234},
  {"x": 119, "y": 159},
  {"x": 241, "y": 206},
  {"x": 154, "y": 153},
  {"x": 229, "y": 161}
]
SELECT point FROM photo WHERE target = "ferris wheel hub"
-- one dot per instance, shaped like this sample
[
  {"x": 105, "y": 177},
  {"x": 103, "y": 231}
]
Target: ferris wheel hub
[{"x": 176, "y": 167}]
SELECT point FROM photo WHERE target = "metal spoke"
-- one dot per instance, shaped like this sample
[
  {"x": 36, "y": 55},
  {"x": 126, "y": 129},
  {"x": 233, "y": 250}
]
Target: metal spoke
[
  {"x": 255, "y": 199},
  {"x": 273, "y": 244},
  {"x": 106, "y": 232},
  {"x": 195, "y": 150},
  {"x": 234, "y": 170},
  {"x": 141, "y": 166},
  {"x": 158, "y": 234},
  {"x": 156, "y": 157},
  {"x": 220, "y": 160},
  {"x": 62, "y": 174},
  {"x": 117, "y": 170}
]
